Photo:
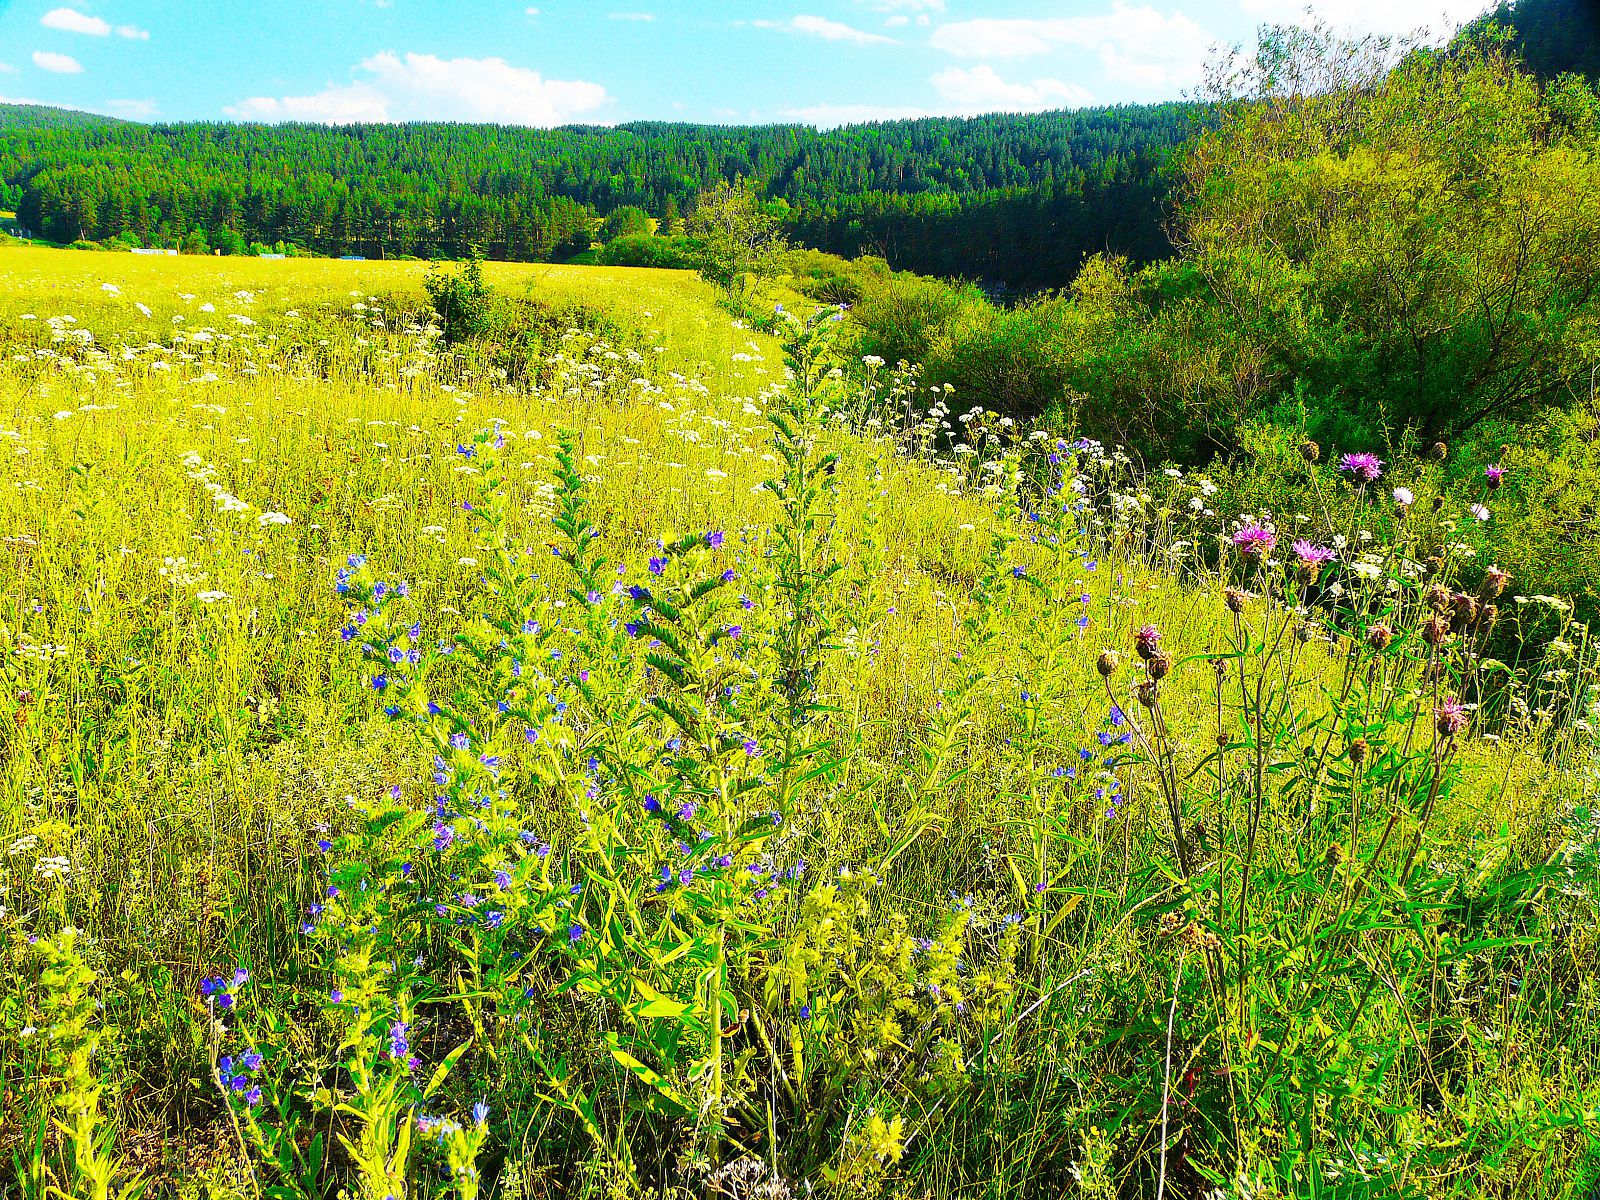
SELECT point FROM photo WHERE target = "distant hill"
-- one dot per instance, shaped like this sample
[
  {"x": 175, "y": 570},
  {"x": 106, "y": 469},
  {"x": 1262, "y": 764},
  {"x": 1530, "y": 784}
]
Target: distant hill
[
  {"x": 1018, "y": 198},
  {"x": 40, "y": 116},
  {"x": 1552, "y": 37}
]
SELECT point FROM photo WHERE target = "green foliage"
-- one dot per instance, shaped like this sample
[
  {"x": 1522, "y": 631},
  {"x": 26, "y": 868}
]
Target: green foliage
[
  {"x": 737, "y": 238},
  {"x": 462, "y": 300},
  {"x": 672, "y": 253},
  {"x": 626, "y": 221}
]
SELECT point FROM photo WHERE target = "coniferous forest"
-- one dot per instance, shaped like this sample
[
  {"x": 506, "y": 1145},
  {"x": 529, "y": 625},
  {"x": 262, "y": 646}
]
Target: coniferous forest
[{"x": 1018, "y": 198}]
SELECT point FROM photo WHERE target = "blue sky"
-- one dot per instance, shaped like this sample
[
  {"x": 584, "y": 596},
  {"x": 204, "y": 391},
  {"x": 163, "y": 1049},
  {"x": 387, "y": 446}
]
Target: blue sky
[{"x": 557, "y": 61}]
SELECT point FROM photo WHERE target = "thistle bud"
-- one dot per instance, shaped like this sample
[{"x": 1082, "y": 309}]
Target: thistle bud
[
  {"x": 1358, "y": 751},
  {"x": 1434, "y": 630},
  {"x": 1234, "y": 599},
  {"x": 1160, "y": 665},
  {"x": 1334, "y": 855},
  {"x": 1380, "y": 636},
  {"x": 1107, "y": 663},
  {"x": 1488, "y": 615},
  {"x": 1463, "y": 612},
  {"x": 1438, "y": 503},
  {"x": 1439, "y": 452},
  {"x": 1437, "y": 597},
  {"x": 1310, "y": 451},
  {"x": 1146, "y": 692}
]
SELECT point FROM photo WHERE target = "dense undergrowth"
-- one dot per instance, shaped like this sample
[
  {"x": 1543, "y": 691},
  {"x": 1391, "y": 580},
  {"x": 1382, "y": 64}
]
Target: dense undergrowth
[{"x": 692, "y": 763}]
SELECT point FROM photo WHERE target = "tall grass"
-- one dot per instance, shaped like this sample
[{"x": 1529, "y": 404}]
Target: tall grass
[{"x": 640, "y": 755}]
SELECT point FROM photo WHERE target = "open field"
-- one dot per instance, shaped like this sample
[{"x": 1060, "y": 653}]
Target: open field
[{"x": 733, "y": 840}]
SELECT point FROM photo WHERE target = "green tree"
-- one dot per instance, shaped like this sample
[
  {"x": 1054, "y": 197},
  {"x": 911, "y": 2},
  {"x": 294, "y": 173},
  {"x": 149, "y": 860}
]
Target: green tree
[
  {"x": 739, "y": 237},
  {"x": 627, "y": 221}
]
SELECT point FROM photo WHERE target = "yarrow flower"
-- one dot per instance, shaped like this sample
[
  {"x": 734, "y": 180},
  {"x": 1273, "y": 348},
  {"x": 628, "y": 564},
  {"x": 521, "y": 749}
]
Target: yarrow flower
[{"x": 1364, "y": 466}]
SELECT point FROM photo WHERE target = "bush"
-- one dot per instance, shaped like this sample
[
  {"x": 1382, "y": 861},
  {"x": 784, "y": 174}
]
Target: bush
[
  {"x": 462, "y": 300},
  {"x": 675, "y": 253}
]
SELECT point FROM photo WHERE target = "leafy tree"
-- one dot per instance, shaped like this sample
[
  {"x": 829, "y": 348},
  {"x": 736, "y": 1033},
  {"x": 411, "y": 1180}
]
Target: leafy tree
[
  {"x": 628, "y": 221},
  {"x": 738, "y": 237}
]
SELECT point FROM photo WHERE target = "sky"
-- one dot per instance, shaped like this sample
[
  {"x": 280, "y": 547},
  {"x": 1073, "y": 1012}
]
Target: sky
[{"x": 822, "y": 62}]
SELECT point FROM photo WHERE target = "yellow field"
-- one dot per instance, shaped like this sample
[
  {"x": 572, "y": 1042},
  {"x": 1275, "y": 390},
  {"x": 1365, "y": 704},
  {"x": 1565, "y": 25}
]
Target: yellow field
[{"x": 194, "y": 446}]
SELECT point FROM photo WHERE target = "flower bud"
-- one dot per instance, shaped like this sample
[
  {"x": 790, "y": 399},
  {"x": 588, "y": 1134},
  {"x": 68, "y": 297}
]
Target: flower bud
[
  {"x": 1437, "y": 597},
  {"x": 1160, "y": 665},
  {"x": 1463, "y": 612},
  {"x": 1146, "y": 692},
  {"x": 1310, "y": 451},
  {"x": 1380, "y": 636},
  {"x": 1234, "y": 599},
  {"x": 1334, "y": 855},
  {"x": 1439, "y": 452},
  {"x": 1358, "y": 751},
  {"x": 1434, "y": 630},
  {"x": 1107, "y": 663}
]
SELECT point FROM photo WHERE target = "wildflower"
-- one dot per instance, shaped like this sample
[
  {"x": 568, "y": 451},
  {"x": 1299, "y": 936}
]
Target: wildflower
[
  {"x": 1310, "y": 451},
  {"x": 1380, "y": 636},
  {"x": 1494, "y": 583},
  {"x": 1493, "y": 474},
  {"x": 1107, "y": 663},
  {"x": 1479, "y": 511},
  {"x": 1365, "y": 466},
  {"x": 657, "y": 566},
  {"x": 1255, "y": 541},
  {"x": 1403, "y": 497},
  {"x": 1311, "y": 556},
  {"x": 1234, "y": 599},
  {"x": 1159, "y": 665},
  {"x": 1450, "y": 718},
  {"x": 714, "y": 539},
  {"x": 480, "y": 1112},
  {"x": 1146, "y": 641},
  {"x": 574, "y": 932}
]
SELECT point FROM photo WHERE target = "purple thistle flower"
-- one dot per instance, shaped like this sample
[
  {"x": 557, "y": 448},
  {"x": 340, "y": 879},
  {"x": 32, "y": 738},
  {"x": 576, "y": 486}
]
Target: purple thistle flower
[
  {"x": 1364, "y": 466},
  {"x": 1255, "y": 541},
  {"x": 1312, "y": 556}
]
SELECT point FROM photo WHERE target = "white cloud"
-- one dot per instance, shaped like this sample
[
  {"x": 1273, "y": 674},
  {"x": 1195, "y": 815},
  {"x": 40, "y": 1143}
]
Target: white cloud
[
  {"x": 133, "y": 32},
  {"x": 1137, "y": 46},
  {"x": 831, "y": 31},
  {"x": 426, "y": 87},
  {"x": 532, "y": 12},
  {"x": 831, "y": 116},
  {"x": 61, "y": 64},
  {"x": 912, "y": 6},
  {"x": 7, "y": 69},
  {"x": 633, "y": 16},
  {"x": 896, "y": 22},
  {"x": 136, "y": 110},
  {"x": 981, "y": 89},
  {"x": 70, "y": 20},
  {"x": 1370, "y": 16}
]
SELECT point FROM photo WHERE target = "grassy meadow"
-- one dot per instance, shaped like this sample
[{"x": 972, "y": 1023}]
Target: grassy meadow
[{"x": 635, "y": 754}]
